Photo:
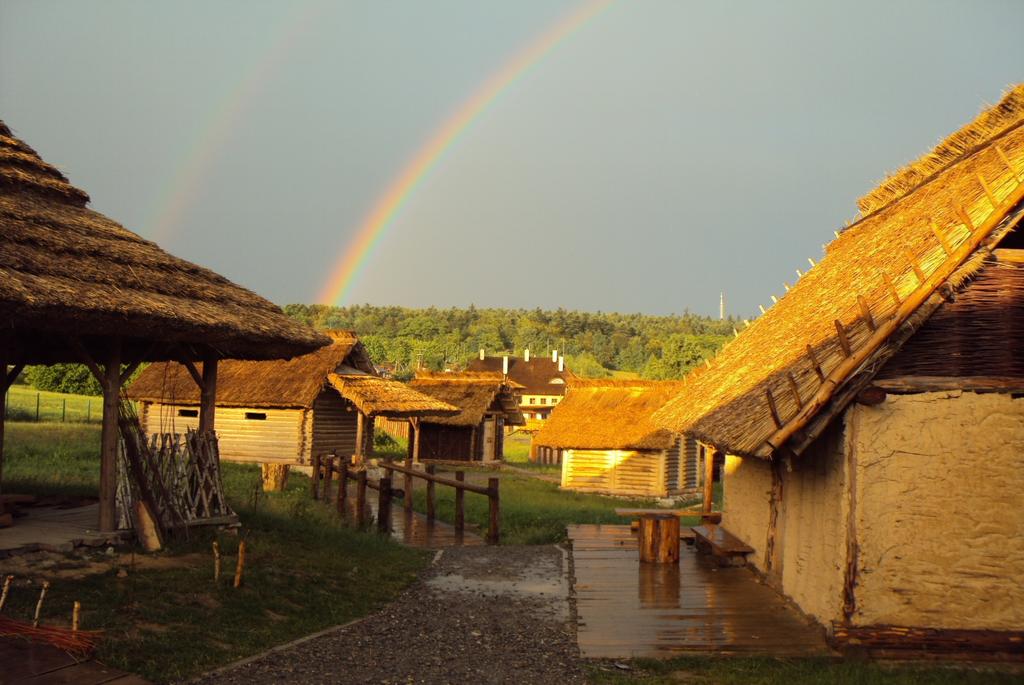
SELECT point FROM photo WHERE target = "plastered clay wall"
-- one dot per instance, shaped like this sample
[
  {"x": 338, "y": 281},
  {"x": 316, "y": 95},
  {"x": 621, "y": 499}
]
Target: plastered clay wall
[
  {"x": 812, "y": 527},
  {"x": 940, "y": 510},
  {"x": 747, "y": 484}
]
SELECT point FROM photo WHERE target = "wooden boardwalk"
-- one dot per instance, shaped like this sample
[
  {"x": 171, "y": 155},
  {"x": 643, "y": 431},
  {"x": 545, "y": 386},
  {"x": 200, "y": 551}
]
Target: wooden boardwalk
[
  {"x": 26, "y": 663},
  {"x": 55, "y": 529},
  {"x": 628, "y": 609}
]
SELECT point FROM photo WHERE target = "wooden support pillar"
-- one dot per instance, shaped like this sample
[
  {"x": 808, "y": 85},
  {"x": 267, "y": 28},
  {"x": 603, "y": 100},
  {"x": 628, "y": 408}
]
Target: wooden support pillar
[
  {"x": 109, "y": 438},
  {"x": 6, "y": 379},
  {"x": 460, "y": 497},
  {"x": 360, "y": 439},
  {"x": 772, "y": 548},
  {"x": 415, "y": 425},
  {"x": 494, "y": 511},
  {"x": 208, "y": 396},
  {"x": 430, "y": 493},
  {"x": 709, "y": 479}
]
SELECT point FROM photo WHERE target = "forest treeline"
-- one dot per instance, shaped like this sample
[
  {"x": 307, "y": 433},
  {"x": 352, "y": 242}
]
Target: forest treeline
[{"x": 595, "y": 344}]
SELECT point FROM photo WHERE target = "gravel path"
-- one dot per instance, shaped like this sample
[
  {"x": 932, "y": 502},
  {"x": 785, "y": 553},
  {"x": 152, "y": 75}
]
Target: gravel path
[{"x": 479, "y": 615}]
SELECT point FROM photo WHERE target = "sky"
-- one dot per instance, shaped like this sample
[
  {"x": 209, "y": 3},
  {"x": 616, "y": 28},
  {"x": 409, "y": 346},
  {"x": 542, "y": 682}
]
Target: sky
[{"x": 661, "y": 153}]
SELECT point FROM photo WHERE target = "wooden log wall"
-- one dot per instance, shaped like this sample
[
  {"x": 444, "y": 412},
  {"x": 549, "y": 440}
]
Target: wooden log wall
[
  {"x": 636, "y": 473},
  {"x": 334, "y": 425},
  {"x": 278, "y": 438}
]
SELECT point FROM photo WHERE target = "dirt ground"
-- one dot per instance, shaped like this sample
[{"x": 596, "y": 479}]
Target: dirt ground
[{"x": 479, "y": 615}]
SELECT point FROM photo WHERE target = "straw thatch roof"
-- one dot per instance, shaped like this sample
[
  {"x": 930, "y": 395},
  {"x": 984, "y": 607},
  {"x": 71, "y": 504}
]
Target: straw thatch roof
[
  {"x": 764, "y": 387},
  {"x": 67, "y": 270},
  {"x": 539, "y": 376},
  {"x": 609, "y": 415},
  {"x": 474, "y": 393},
  {"x": 264, "y": 384},
  {"x": 376, "y": 396}
]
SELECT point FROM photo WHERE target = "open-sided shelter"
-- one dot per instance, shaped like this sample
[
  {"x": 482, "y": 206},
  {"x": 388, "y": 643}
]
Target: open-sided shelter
[
  {"x": 75, "y": 286},
  {"x": 487, "y": 402},
  {"x": 286, "y": 411},
  {"x": 871, "y": 420},
  {"x": 608, "y": 442}
]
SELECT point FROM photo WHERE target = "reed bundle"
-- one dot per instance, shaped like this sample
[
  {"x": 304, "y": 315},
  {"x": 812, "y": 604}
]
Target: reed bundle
[{"x": 80, "y": 642}]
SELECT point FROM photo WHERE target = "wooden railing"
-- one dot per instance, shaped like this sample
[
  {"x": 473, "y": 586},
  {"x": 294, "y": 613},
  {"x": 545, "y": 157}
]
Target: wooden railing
[{"x": 325, "y": 467}]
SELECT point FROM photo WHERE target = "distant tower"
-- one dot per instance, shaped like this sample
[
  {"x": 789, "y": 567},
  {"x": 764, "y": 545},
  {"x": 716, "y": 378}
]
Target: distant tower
[{"x": 721, "y": 305}]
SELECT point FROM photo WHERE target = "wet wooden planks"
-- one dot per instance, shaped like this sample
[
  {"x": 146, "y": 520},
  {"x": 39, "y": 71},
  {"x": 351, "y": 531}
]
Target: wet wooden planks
[
  {"x": 26, "y": 663},
  {"x": 628, "y": 609}
]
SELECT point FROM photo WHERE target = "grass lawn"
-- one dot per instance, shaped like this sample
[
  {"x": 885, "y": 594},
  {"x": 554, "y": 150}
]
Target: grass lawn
[
  {"x": 168, "y": 620},
  {"x": 25, "y": 403},
  {"x": 533, "y": 511},
  {"x": 517, "y": 453},
  {"x": 764, "y": 671}
]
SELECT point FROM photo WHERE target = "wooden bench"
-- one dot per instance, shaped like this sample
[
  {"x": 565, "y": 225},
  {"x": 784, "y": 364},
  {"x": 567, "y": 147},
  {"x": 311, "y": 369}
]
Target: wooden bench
[{"x": 728, "y": 549}]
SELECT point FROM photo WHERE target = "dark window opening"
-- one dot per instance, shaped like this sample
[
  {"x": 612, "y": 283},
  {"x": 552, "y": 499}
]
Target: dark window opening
[
  {"x": 188, "y": 413},
  {"x": 1014, "y": 240},
  {"x": 255, "y": 416}
]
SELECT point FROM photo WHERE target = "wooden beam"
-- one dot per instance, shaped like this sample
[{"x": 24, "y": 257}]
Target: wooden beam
[
  {"x": 988, "y": 191},
  {"x": 794, "y": 389},
  {"x": 139, "y": 358},
  {"x": 1008, "y": 256},
  {"x": 844, "y": 341},
  {"x": 360, "y": 440},
  {"x": 110, "y": 437},
  {"x": 946, "y": 247},
  {"x": 815, "y": 363},
  {"x": 86, "y": 358},
  {"x": 194, "y": 372},
  {"x": 892, "y": 289},
  {"x": 709, "y": 480},
  {"x": 1006, "y": 160},
  {"x": 773, "y": 408},
  {"x": 865, "y": 312},
  {"x": 918, "y": 271},
  {"x": 848, "y": 366},
  {"x": 913, "y": 384},
  {"x": 208, "y": 396}
]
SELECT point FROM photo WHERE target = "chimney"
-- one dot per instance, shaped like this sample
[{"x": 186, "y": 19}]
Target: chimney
[
  {"x": 721, "y": 305},
  {"x": 561, "y": 363},
  {"x": 526, "y": 354},
  {"x": 554, "y": 355},
  {"x": 504, "y": 365},
  {"x": 481, "y": 354}
]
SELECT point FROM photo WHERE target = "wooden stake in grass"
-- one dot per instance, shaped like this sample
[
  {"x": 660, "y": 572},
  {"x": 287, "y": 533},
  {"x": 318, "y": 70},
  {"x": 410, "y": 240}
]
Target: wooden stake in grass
[
  {"x": 241, "y": 564},
  {"x": 39, "y": 604},
  {"x": 7, "y": 589},
  {"x": 216, "y": 561},
  {"x": 76, "y": 616}
]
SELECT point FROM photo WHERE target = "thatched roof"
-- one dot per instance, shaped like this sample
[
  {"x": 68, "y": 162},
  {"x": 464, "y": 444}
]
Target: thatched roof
[
  {"x": 265, "y": 384},
  {"x": 609, "y": 415},
  {"x": 973, "y": 175},
  {"x": 539, "y": 376},
  {"x": 474, "y": 393},
  {"x": 376, "y": 396},
  {"x": 67, "y": 270}
]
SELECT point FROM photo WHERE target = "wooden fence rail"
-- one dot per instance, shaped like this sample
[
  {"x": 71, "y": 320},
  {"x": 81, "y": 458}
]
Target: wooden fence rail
[{"x": 326, "y": 466}]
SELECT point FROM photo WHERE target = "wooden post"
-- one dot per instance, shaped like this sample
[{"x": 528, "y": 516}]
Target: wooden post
[
  {"x": 659, "y": 538},
  {"x": 361, "y": 499},
  {"x": 359, "y": 437},
  {"x": 493, "y": 525},
  {"x": 415, "y": 425},
  {"x": 208, "y": 396},
  {"x": 314, "y": 478},
  {"x": 384, "y": 505},
  {"x": 328, "y": 477},
  {"x": 407, "y": 484},
  {"x": 430, "y": 493},
  {"x": 709, "y": 480},
  {"x": 342, "y": 486},
  {"x": 109, "y": 437},
  {"x": 460, "y": 495}
]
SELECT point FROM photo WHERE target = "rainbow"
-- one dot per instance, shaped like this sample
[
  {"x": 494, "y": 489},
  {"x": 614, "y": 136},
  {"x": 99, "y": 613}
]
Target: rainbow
[
  {"x": 190, "y": 171},
  {"x": 383, "y": 213}
]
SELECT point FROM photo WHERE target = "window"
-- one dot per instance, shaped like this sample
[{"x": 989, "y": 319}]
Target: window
[
  {"x": 188, "y": 413},
  {"x": 554, "y": 400},
  {"x": 255, "y": 416},
  {"x": 543, "y": 400},
  {"x": 533, "y": 400}
]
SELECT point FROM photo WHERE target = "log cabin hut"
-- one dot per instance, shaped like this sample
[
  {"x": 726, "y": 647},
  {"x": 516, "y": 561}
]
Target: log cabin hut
[
  {"x": 609, "y": 444},
  {"x": 871, "y": 420},
  {"x": 284, "y": 412},
  {"x": 76, "y": 287},
  {"x": 487, "y": 402},
  {"x": 543, "y": 379}
]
